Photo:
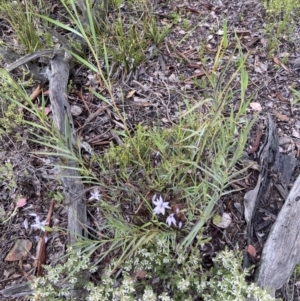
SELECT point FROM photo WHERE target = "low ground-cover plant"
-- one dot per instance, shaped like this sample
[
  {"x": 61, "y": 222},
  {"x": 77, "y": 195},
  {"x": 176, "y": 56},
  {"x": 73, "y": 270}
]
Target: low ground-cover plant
[{"x": 157, "y": 271}]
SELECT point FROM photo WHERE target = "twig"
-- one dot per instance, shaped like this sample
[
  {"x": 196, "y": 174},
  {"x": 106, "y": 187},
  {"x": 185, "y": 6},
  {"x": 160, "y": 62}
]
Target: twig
[{"x": 41, "y": 248}]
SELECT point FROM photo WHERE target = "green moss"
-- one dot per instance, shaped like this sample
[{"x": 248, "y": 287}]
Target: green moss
[
  {"x": 11, "y": 119},
  {"x": 217, "y": 219},
  {"x": 7, "y": 176}
]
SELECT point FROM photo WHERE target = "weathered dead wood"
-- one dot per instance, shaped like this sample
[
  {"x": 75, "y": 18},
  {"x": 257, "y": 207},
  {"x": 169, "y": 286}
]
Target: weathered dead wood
[
  {"x": 25, "y": 63},
  {"x": 252, "y": 197},
  {"x": 62, "y": 118},
  {"x": 18, "y": 290},
  {"x": 282, "y": 250}
]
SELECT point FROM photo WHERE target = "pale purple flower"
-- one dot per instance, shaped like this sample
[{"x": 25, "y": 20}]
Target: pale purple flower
[
  {"x": 38, "y": 225},
  {"x": 160, "y": 205},
  {"x": 95, "y": 196},
  {"x": 171, "y": 220},
  {"x": 180, "y": 225}
]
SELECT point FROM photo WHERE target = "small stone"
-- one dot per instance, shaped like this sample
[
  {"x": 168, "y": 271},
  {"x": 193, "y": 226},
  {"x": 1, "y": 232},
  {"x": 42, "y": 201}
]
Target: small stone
[
  {"x": 76, "y": 110},
  {"x": 224, "y": 221}
]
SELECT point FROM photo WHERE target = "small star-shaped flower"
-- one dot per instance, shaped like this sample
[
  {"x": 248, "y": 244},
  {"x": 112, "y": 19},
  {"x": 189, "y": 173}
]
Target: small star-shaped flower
[
  {"x": 38, "y": 225},
  {"x": 171, "y": 220},
  {"x": 95, "y": 196},
  {"x": 160, "y": 205}
]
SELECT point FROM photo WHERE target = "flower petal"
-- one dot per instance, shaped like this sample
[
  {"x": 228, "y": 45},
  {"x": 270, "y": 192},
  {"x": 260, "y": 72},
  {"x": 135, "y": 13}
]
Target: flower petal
[
  {"x": 157, "y": 210},
  {"x": 154, "y": 198},
  {"x": 166, "y": 205}
]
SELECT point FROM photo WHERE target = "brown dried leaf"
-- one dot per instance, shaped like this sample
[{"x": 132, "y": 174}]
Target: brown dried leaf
[
  {"x": 130, "y": 94},
  {"x": 20, "y": 249},
  {"x": 47, "y": 110},
  {"x": 260, "y": 67},
  {"x": 279, "y": 63},
  {"x": 251, "y": 250},
  {"x": 259, "y": 133},
  {"x": 276, "y": 60},
  {"x": 140, "y": 274},
  {"x": 242, "y": 32},
  {"x": 22, "y": 202},
  {"x": 255, "y": 106},
  {"x": 281, "y": 97},
  {"x": 280, "y": 116},
  {"x": 37, "y": 91}
]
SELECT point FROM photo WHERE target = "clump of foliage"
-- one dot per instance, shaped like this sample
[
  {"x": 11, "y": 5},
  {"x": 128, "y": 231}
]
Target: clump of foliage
[
  {"x": 278, "y": 6},
  {"x": 158, "y": 271},
  {"x": 8, "y": 182},
  {"x": 280, "y": 21},
  {"x": 11, "y": 118},
  {"x": 27, "y": 27},
  {"x": 11, "y": 114},
  {"x": 7, "y": 176}
]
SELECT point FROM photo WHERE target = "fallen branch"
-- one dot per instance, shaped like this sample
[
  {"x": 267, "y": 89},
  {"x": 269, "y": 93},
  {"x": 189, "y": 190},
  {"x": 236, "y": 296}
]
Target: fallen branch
[{"x": 73, "y": 187}]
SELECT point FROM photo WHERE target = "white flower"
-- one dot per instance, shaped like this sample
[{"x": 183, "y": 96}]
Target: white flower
[
  {"x": 95, "y": 196},
  {"x": 164, "y": 297},
  {"x": 149, "y": 295},
  {"x": 38, "y": 224},
  {"x": 183, "y": 285},
  {"x": 171, "y": 220},
  {"x": 160, "y": 205}
]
